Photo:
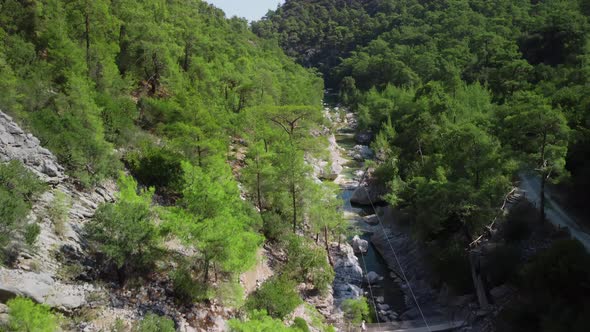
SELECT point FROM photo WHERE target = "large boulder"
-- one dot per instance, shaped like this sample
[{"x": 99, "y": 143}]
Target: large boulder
[
  {"x": 359, "y": 245},
  {"x": 370, "y": 194}
]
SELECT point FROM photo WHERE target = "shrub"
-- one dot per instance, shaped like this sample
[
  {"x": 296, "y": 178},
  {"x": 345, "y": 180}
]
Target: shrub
[
  {"x": 186, "y": 288},
  {"x": 21, "y": 182},
  {"x": 231, "y": 294},
  {"x": 277, "y": 296},
  {"x": 259, "y": 321},
  {"x": 89, "y": 159},
  {"x": 155, "y": 323},
  {"x": 58, "y": 211},
  {"x": 18, "y": 188},
  {"x": 308, "y": 263},
  {"x": 300, "y": 324},
  {"x": 356, "y": 310},
  {"x": 274, "y": 227},
  {"x": 156, "y": 167},
  {"x": 25, "y": 315},
  {"x": 125, "y": 232},
  {"x": 31, "y": 233}
]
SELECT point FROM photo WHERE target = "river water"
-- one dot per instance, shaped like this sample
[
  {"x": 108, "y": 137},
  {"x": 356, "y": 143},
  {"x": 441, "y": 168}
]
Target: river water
[{"x": 388, "y": 290}]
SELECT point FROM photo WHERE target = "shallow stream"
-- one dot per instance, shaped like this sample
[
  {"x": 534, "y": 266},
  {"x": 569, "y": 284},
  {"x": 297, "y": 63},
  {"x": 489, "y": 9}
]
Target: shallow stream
[{"x": 372, "y": 260}]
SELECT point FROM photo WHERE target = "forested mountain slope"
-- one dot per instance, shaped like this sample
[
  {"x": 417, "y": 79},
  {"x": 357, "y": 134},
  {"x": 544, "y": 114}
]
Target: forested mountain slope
[
  {"x": 178, "y": 103},
  {"x": 461, "y": 95}
]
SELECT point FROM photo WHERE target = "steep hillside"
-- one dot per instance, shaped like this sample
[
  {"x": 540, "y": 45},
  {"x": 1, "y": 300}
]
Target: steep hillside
[{"x": 203, "y": 126}]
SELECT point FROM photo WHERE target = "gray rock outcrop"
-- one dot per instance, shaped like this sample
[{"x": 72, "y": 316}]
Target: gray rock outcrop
[
  {"x": 15, "y": 144},
  {"x": 348, "y": 274},
  {"x": 35, "y": 273}
]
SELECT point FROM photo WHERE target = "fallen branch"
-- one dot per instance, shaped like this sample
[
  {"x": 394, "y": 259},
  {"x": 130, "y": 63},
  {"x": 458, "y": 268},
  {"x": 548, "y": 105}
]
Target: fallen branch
[{"x": 491, "y": 226}]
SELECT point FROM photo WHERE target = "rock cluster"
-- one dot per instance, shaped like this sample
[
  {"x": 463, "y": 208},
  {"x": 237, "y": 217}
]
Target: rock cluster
[
  {"x": 348, "y": 274},
  {"x": 15, "y": 144},
  {"x": 361, "y": 153}
]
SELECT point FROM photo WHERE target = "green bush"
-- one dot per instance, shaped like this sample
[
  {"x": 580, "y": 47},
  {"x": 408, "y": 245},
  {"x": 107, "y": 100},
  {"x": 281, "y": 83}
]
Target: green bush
[
  {"x": 74, "y": 135},
  {"x": 58, "y": 211},
  {"x": 356, "y": 310},
  {"x": 18, "y": 188},
  {"x": 259, "y": 321},
  {"x": 308, "y": 263},
  {"x": 125, "y": 232},
  {"x": 155, "y": 323},
  {"x": 277, "y": 296},
  {"x": 300, "y": 324},
  {"x": 25, "y": 315},
  {"x": 274, "y": 227},
  {"x": 186, "y": 288},
  {"x": 156, "y": 167},
  {"x": 31, "y": 233},
  {"x": 231, "y": 294}
]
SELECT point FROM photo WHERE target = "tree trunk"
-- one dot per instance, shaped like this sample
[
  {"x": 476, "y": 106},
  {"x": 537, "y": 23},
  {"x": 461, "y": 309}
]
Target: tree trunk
[
  {"x": 206, "y": 276},
  {"x": 87, "y": 35},
  {"x": 187, "y": 53},
  {"x": 327, "y": 246},
  {"x": 259, "y": 196},
  {"x": 544, "y": 175},
  {"x": 480, "y": 291},
  {"x": 294, "y": 201},
  {"x": 542, "y": 194},
  {"x": 122, "y": 275}
]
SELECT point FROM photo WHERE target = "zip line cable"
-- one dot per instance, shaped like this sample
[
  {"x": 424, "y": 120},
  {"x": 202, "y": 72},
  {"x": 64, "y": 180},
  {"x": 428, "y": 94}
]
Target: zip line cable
[
  {"x": 370, "y": 289},
  {"x": 394, "y": 253}
]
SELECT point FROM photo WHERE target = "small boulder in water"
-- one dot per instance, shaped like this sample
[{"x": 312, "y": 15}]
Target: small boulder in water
[
  {"x": 372, "y": 277},
  {"x": 359, "y": 245},
  {"x": 371, "y": 220}
]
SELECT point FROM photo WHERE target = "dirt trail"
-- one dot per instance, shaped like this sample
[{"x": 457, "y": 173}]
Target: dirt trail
[
  {"x": 554, "y": 212},
  {"x": 258, "y": 274}
]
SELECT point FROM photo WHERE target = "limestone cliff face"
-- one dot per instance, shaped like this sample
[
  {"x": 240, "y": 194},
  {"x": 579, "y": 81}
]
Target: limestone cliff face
[
  {"x": 36, "y": 270},
  {"x": 15, "y": 144}
]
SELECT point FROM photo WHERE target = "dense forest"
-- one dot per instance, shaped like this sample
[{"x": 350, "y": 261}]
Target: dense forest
[
  {"x": 207, "y": 126},
  {"x": 160, "y": 95},
  {"x": 463, "y": 96}
]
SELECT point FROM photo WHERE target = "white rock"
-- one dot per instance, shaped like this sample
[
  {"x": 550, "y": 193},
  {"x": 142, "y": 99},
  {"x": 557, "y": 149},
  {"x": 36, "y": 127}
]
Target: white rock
[{"x": 359, "y": 245}]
